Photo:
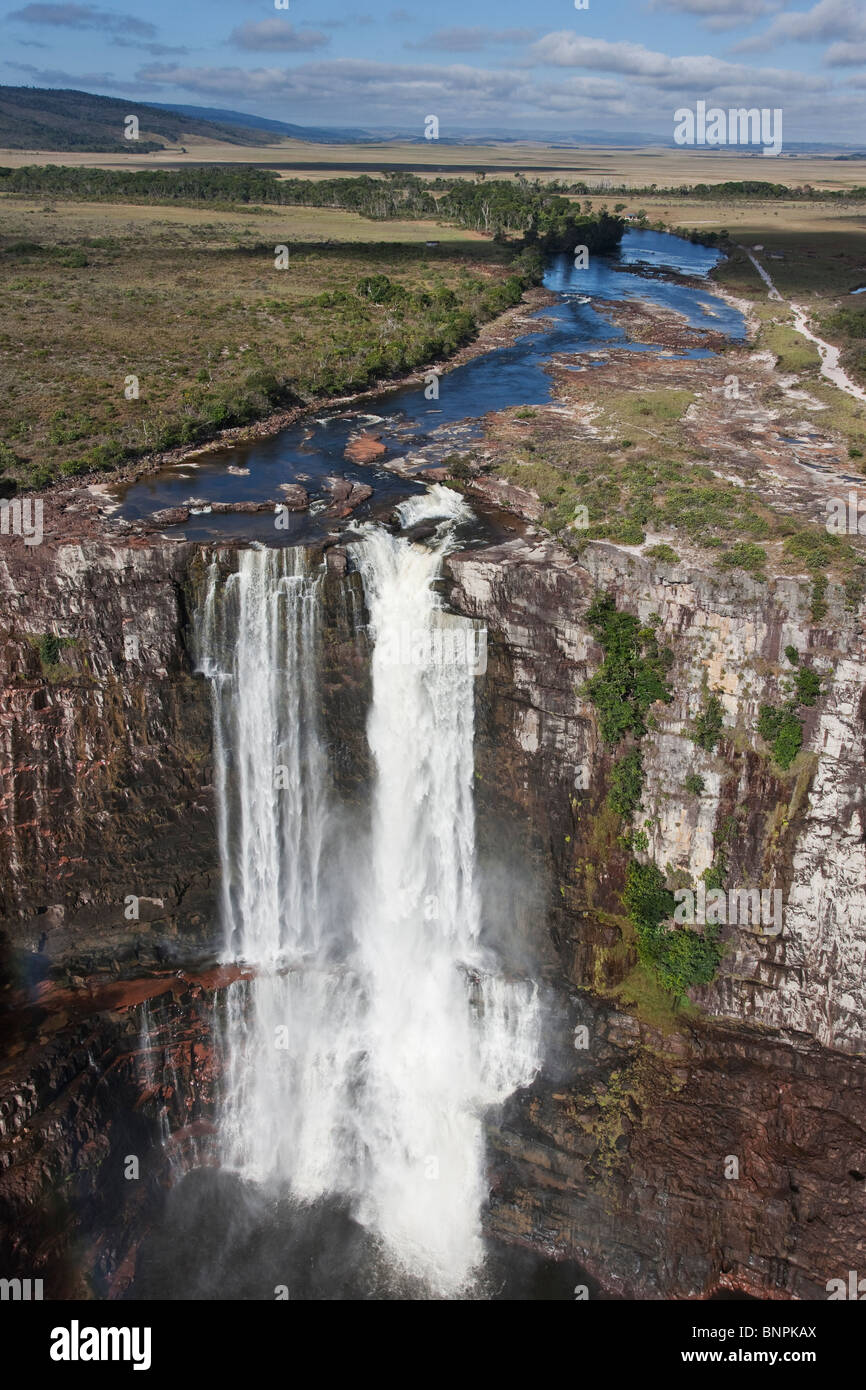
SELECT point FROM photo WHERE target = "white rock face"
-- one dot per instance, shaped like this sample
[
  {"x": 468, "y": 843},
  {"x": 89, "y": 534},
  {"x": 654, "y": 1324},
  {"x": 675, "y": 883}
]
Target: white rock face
[{"x": 801, "y": 832}]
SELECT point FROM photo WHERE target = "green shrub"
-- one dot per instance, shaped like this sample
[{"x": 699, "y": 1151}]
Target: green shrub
[
  {"x": 679, "y": 957},
  {"x": 816, "y": 549},
  {"x": 694, "y": 783},
  {"x": 49, "y": 647},
  {"x": 745, "y": 555},
  {"x": 808, "y": 685},
  {"x": 626, "y": 781},
  {"x": 708, "y": 724},
  {"x": 378, "y": 288},
  {"x": 458, "y": 467},
  {"x": 793, "y": 655},
  {"x": 663, "y": 552},
  {"x": 782, "y": 729},
  {"x": 647, "y": 900},
  {"x": 632, "y": 675},
  {"x": 684, "y": 958},
  {"x": 818, "y": 606}
]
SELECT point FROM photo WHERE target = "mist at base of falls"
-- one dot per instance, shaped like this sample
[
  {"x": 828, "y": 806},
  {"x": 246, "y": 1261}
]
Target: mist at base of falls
[
  {"x": 379, "y": 1029},
  {"x": 225, "y": 1238}
]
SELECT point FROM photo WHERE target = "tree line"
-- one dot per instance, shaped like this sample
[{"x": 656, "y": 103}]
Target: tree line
[{"x": 502, "y": 208}]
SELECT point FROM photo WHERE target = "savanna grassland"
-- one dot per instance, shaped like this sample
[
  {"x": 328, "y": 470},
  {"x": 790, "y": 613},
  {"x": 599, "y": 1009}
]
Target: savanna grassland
[{"x": 189, "y": 302}]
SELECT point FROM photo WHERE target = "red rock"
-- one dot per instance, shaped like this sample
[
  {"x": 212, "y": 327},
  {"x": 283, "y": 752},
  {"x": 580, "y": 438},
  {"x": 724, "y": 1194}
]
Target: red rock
[{"x": 364, "y": 447}]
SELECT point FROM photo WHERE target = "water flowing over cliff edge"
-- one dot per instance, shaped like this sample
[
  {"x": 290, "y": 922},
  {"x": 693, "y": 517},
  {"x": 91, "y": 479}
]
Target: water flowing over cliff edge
[{"x": 127, "y": 850}]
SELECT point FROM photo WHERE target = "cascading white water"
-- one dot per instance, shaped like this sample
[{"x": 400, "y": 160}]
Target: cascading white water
[
  {"x": 363, "y": 1055},
  {"x": 291, "y": 1044},
  {"x": 448, "y": 1038}
]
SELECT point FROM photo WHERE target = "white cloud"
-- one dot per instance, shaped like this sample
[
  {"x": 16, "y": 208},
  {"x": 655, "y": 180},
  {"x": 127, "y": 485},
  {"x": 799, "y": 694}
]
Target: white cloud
[
  {"x": 701, "y": 74},
  {"x": 58, "y": 77},
  {"x": 82, "y": 17},
  {"x": 829, "y": 19},
  {"x": 721, "y": 14},
  {"x": 276, "y": 35},
  {"x": 846, "y": 55}
]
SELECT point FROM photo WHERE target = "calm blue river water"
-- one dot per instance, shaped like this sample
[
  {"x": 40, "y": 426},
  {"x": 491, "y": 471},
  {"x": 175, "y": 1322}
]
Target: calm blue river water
[{"x": 313, "y": 450}]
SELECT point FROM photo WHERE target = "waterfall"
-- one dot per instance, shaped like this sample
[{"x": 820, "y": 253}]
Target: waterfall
[
  {"x": 370, "y": 1043},
  {"x": 291, "y": 1044}
]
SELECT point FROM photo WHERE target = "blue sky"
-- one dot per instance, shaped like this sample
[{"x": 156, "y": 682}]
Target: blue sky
[{"x": 502, "y": 67}]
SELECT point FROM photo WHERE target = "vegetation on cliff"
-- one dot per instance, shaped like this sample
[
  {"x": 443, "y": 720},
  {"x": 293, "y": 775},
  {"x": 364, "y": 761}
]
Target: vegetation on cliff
[{"x": 630, "y": 679}]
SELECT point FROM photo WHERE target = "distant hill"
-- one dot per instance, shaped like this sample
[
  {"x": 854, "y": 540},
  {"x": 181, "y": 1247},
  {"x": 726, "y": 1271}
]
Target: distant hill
[
  {"x": 40, "y": 118},
  {"x": 316, "y": 135}
]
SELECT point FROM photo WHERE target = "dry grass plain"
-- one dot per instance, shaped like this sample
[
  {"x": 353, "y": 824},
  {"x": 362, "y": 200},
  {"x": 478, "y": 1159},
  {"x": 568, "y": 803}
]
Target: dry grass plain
[
  {"x": 189, "y": 302},
  {"x": 636, "y": 167},
  {"x": 177, "y": 295}
]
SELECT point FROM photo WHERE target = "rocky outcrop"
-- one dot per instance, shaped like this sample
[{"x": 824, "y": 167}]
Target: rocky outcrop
[
  {"x": 728, "y": 637},
  {"x": 621, "y": 1154},
  {"x": 106, "y": 1097}
]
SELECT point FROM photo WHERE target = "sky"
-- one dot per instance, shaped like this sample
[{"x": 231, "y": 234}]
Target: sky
[{"x": 503, "y": 67}]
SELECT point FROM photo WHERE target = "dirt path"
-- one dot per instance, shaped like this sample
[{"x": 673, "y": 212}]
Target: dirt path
[{"x": 827, "y": 352}]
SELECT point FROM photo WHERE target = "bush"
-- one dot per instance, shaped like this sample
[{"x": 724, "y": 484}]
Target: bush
[
  {"x": 648, "y": 901},
  {"x": 679, "y": 957},
  {"x": 683, "y": 958},
  {"x": 783, "y": 731},
  {"x": 626, "y": 781},
  {"x": 631, "y": 677},
  {"x": 458, "y": 467},
  {"x": 793, "y": 655},
  {"x": 745, "y": 555},
  {"x": 694, "y": 783},
  {"x": 708, "y": 724},
  {"x": 378, "y": 288},
  {"x": 49, "y": 648},
  {"x": 816, "y": 549},
  {"x": 663, "y": 552},
  {"x": 808, "y": 685},
  {"x": 818, "y": 605}
]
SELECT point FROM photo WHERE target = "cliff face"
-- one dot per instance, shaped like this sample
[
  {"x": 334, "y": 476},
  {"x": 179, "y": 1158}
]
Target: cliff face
[
  {"x": 106, "y": 1095},
  {"x": 619, "y": 1155},
  {"x": 107, "y": 850}
]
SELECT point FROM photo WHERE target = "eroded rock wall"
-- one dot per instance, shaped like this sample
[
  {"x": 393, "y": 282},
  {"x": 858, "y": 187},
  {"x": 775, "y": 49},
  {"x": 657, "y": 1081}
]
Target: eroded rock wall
[{"x": 619, "y": 1155}]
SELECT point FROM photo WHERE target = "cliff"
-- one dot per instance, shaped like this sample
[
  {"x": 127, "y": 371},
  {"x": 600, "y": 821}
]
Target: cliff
[{"x": 619, "y": 1156}]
